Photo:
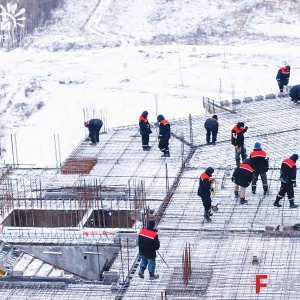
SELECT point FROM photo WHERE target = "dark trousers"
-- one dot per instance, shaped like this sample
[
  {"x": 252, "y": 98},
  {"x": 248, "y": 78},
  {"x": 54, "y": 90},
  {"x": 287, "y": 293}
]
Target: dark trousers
[
  {"x": 163, "y": 146},
  {"x": 94, "y": 134},
  {"x": 281, "y": 85},
  {"x": 150, "y": 262},
  {"x": 145, "y": 140},
  {"x": 238, "y": 154},
  {"x": 209, "y": 132},
  {"x": 206, "y": 201},
  {"x": 263, "y": 177},
  {"x": 286, "y": 188}
]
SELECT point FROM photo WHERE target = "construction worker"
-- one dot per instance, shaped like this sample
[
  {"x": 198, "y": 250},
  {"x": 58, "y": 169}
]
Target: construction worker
[
  {"x": 237, "y": 140},
  {"x": 295, "y": 93},
  {"x": 260, "y": 163},
  {"x": 145, "y": 130},
  {"x": 94, "y": 126},
  {"x": 211, "y": 125},
  {"x": 288, "y": 174},
  {"x": 242, "y": 177},
  {"x": 148, "y": 244},
  {"x": 204, "y": 191},
  {"x": 283, "y": 76},
  {"x": 164, "y": 135}
]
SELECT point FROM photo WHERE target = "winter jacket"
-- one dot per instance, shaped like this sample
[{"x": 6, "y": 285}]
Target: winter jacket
[
  {"x": 288, "y": 171},
  {"x": 148, "y": 243},
  {"x": 259, "y": 161},
  {"x": 144, "y": 126},
  {"x": 94, "y": 124},
  {"x": 242, "y": 175},
  {"x": 164, "y": 130},
  {"x": 237, "y": 136},
  {"x": 295, "y": 92},
  {"x": 212, "y": 124},
  {"x": 283, "y": 76},
  {"x": 204, "y": 185}
]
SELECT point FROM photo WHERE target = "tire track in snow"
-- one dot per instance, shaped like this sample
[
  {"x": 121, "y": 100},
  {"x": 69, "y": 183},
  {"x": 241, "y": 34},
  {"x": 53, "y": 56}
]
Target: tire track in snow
[{"x": 91, "y": 25}]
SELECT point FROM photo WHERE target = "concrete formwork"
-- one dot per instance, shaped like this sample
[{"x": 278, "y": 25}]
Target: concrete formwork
[{"x": 224, "y": 248}]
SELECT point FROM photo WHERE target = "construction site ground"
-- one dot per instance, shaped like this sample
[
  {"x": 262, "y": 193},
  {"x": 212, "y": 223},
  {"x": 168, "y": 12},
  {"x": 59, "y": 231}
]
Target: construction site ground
[{"x": 222, "y": 252}]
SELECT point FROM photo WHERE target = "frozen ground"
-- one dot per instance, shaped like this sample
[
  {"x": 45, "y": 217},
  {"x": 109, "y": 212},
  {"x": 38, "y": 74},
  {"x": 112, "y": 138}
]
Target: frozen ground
[{"x": 107, "y": 57}]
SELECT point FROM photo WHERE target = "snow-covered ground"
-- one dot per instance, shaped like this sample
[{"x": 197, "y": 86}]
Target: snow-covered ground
[{"x": 121, "y": 56}]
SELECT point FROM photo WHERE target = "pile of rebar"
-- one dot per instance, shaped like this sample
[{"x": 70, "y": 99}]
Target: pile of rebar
[{"x": 75, "y": 165}]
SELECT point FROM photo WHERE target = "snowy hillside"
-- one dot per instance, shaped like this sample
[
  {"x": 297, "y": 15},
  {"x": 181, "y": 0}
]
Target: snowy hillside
[
  {"x": 121, "y": 55},
  {"x": 160, "y": 22}
]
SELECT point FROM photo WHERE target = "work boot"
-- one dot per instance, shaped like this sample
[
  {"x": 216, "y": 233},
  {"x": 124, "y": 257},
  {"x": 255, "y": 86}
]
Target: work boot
[
  {"x": 153, "y": 277},
  {"x": 141, "y": 274},
  {"x": 243, "y": 201},
  {"x": 93, "y": 144},
  {"x": 164, "y": 155},
  {"x": 293, "y": 205},
  {"x": 253, "y": 192},
  {"x": 167, "y": 154},
  {"x": 236, "y": 194},
  {"x": 208, "y": 213},
  {"x": 146, "y": 148},
  {"x": 276, "y": 203},
  {"x": 265, "y": 192}
]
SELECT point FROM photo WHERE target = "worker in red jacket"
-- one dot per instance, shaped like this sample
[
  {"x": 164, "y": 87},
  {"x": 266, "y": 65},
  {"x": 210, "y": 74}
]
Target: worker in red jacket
[
  {"x": 204, "y": 191},
  {"x": 288, "y": 174},
  {"x": 145, "y": 130},
  {"x": 242, "y": 177},
  {"x": 237, "y": 140},
  {"x": 260, "y": 163},
  {"x": 94, "y": 126},
  {"x": 148, "y": 244},
  {"x": 283, "y": 77},
  {"x": 164, "y": 135}
]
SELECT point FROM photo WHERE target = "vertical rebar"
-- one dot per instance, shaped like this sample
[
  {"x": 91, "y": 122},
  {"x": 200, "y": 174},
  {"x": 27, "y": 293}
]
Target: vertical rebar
[
  {"x": 17, "y": 159},
  {"x": 121, "y": 259},
  {"x": 58, "y": 146},
  {"x": 128, "y": 259},
  {"x": 55, "y": 149},
  {"x": 12, "y": 149},
  {"x": 167, "y": 179},
  {"x": 191, "y": 128}
]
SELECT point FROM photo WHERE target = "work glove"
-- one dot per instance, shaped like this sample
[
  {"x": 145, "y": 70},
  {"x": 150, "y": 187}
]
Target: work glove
[
  {"x": 245, "y": 128},
  {"x": 232, "y": 179},
  {"x": 211, "y": 189},
  {"x": 294, "y": 184}
]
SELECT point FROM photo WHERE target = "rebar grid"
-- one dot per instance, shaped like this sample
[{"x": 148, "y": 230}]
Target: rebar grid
[{"x": 229, "y": 242}]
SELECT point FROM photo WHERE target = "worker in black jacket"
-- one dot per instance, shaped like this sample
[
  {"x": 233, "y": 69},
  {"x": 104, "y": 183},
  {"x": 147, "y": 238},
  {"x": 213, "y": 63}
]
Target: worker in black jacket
[
  {"x": 164, "y": 135},
  {"x": 260, "y": 163},
  {"x": 288, "y": 174},
  {"x": 242, "y": 177},
  {"x": 295, "y": 93},
  {"x": 145, "y": 130},
  {"x": 148, "y": 244},
  {"x": 237, "y": 140},
  {"x": 283, "y": 76},
  {"x": 94, "y": 126},
  {"x": 212, "y": 126},
  {"x": 205, "y": 189}
]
